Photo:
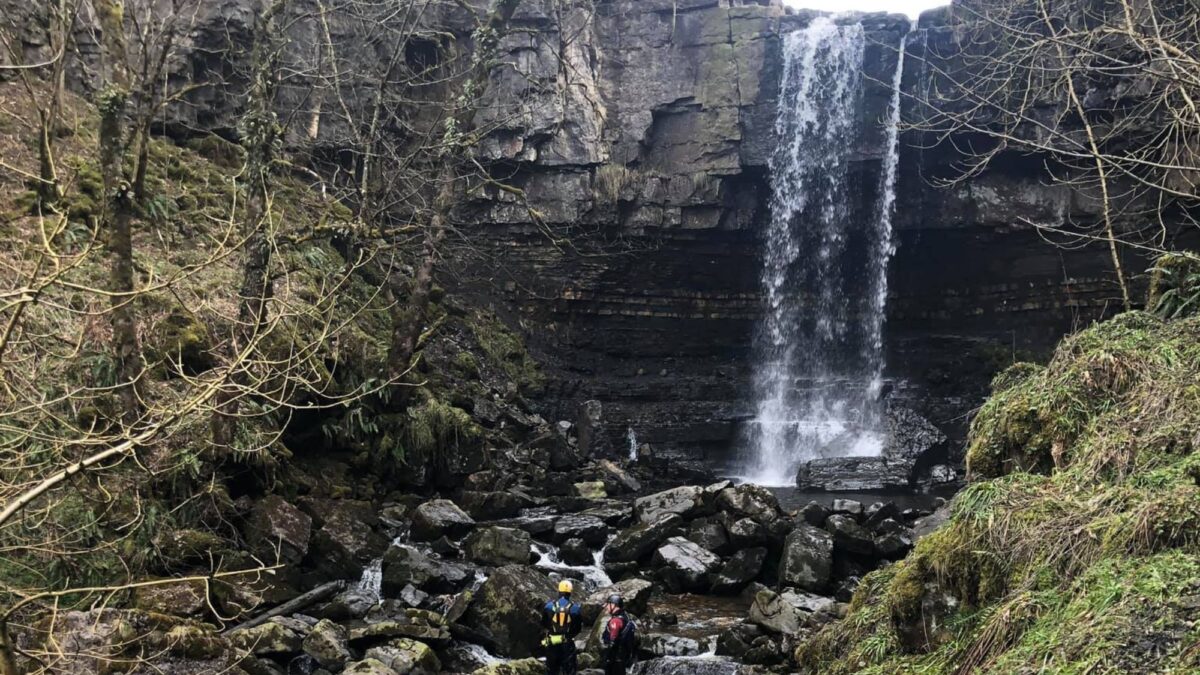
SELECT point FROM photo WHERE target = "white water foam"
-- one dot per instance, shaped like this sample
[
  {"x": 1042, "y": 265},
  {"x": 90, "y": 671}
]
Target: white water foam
[{"x": 594, "y": 574}]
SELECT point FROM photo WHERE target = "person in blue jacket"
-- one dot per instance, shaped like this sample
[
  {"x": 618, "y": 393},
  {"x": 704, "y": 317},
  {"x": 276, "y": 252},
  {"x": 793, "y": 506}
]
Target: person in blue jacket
[{"x": 562, "y": 620}]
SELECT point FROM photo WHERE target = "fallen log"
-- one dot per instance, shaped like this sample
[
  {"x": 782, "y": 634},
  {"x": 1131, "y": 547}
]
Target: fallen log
[{"x": 322, "y": 592}]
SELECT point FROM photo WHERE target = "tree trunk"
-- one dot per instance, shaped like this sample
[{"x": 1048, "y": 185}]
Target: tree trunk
[
  {"x": 48, "y": 183},
  {"x": 118, "y": 212},
  {"x": 410, "y": 323},
  {"x": 260, "y": 132}
]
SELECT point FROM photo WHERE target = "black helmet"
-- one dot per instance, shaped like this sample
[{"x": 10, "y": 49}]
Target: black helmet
[{"x": 615, "y": 599}]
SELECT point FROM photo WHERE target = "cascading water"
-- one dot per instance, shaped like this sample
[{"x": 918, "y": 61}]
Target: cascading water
[{"x": 819, "y": 349}]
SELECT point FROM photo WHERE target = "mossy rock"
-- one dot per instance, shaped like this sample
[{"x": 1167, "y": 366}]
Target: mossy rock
[
  {"x": 218, "y": 151},
  {"x": 183, "y": 343}
]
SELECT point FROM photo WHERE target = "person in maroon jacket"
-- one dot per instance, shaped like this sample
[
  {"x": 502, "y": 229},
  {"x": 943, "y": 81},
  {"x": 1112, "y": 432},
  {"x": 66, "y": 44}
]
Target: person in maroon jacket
[{"x": 619, "y": 637}]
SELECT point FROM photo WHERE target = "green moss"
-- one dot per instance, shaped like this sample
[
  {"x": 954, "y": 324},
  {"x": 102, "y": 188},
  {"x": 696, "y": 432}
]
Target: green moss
[
  {"x": 465, "y": 364},
  {"x": 1075, "y": 539},
  {"x": 218, "y": 151},
  {"x": 506, "y": 351},
  {"x": 1175, "y": 285},
  {"x": 183, "y": 343}
]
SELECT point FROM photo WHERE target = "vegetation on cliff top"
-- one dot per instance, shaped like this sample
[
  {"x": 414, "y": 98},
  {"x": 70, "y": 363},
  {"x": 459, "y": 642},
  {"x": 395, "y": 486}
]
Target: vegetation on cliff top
[{"x": 1076, "y": 548}]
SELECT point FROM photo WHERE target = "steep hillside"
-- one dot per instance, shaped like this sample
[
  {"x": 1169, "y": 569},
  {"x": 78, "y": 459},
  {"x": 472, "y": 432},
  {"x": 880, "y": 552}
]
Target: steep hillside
[{"x": 1076, "y": 548}]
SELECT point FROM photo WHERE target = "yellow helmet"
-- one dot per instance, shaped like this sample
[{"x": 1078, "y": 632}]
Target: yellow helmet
[{"x": 566, "y": 586}]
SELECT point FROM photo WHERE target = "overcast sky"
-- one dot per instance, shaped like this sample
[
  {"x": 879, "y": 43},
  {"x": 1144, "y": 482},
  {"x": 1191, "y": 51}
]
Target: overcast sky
[{"x": 910, "y": 7}]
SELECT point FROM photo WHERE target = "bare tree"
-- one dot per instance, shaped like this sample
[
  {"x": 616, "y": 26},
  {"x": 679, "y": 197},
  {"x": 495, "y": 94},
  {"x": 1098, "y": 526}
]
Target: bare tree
[{"x": 1105, "y": 92}]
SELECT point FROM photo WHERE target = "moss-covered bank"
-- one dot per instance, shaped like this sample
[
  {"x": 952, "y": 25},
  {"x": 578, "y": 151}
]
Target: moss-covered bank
[{"x": 1076, "y": 549}]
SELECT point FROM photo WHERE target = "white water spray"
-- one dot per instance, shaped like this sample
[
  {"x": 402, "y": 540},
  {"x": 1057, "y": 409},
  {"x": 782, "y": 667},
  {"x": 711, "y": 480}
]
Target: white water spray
[
  {"x": 819, "y": 350},
  {"x": 631, "y": 435}
]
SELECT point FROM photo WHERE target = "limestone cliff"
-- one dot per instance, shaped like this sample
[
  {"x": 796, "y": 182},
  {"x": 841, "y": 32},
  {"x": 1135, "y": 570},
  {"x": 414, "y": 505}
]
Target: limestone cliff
[{"x": 639, "y": 132}]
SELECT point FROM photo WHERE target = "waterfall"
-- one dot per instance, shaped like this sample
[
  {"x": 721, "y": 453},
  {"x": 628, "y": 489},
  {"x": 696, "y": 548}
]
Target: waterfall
[
  {"x": 819, "y": 347},
  {"x": 631, "y": 437}
]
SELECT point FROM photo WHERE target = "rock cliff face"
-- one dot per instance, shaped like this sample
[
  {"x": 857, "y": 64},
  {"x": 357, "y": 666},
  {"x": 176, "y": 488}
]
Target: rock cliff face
[{"x": 640, "y": 132}]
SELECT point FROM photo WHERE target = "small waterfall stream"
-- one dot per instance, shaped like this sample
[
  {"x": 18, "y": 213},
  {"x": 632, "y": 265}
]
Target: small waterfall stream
[{"x": 819, "y": 347}]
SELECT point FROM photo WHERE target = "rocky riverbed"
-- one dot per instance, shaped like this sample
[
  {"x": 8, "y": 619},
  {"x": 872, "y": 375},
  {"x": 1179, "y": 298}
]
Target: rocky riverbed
[{"x": 722, "y": 578}]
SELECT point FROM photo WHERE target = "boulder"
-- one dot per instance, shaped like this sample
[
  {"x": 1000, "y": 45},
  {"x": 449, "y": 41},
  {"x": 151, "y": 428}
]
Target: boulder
[
  {"x": 274, "y": 522},
  {"x": 589, "y": 429},
  {"x": 635, "y": 592},
  {"x": 277, "y": 637},
  {"x": 709, "y": 534},
  {"x": 575, "y": 552},
  {"x": 739, "y": 570},
  {"x": 847, "y": 506},
  {"x": 696, "y": 665},
  {"x": 807, "y": 561},
  {"x": 613, "y": 513},
  {"x": 415, "y": 626},
  {"x": 518, "y": 667},
  {"x": 498, "y": 546},
  {"x": 368, "y": 667},
  {"x": 440, "y": 517},
  {"x": 327, "y": 644},
  {"x": 494, "y": 505},
  {"x": 749, "y": 501},
  {"x": 506, "y": 610},
  {"x": 910, "y": 438},
  {"x": 894, "y": 545},
  {"x": 685, "y": 501},
  {"x": 665, "y": 644},
  {"x": 591, "y": 490},
  {"x": 878, "y": 512},
  {"x": 347, "y": 605},
  {"x": 927, "y": 524},
  {"x": 736, "y": 640},
  {"x": 747, "y": 532},
  {"x": 641, "y": 540},
  {"x": 588, "y": 528},
  {"x": 406, "y": 657},
  {"x": 814, "y": 514},
  {"x": 178, "y": 598},
  {"x": 684, "y": 566},
  {"x": 404, "y": 565},
  {"x": 344, "y": 544},
  {"x": 849, "y": 536},
  {"x": 785, "y": 613}
]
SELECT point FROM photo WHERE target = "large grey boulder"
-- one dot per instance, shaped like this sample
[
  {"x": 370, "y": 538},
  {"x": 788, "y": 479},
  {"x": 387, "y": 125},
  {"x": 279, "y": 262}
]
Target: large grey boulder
[
  {"x": 440, "y": 517},
  {"x": 685, "y": 501},
  {"x": 498, "y": 546},
  {"x": 345, "y": 544},
  {"x": 807, "y": 561},
  {"x": 404, "y": 565},
  {"x": 684, "y": 565},
  {"x": 635, "y": 592},
  {"x": 641, "y": 540},
  {"x": 665, "y": 644},
  {"x": 327, "y": 643},
  {"x": 749, "y": 501},
  {"x": 494, "y": 505},
  {"x": 425, "y": 626},
  {"x": 909, "y": 438},
  {"x": 710, "y": 534},
  {"x": 406, "y": 657},
  {"x": 588, "y": 528},
  {"x": 849, "y": 536},
  {"x": 276, "y": 523},
  {"x": 785, "y": 613},
  {"x": 696, "y": 665},
  {"x": 742, "y": 568},
  {"x": 276, "y": 637},
  {"x": 506, "y": 610}
]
